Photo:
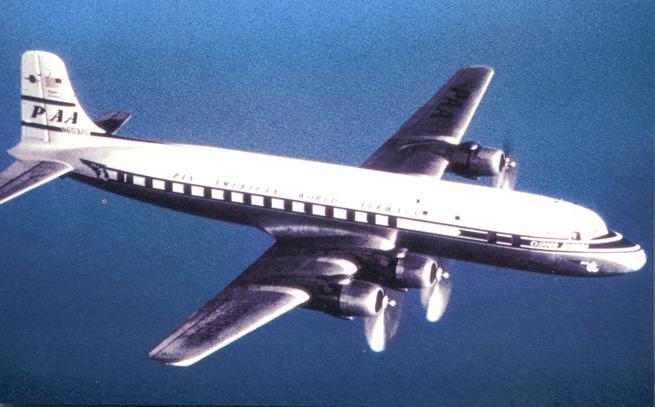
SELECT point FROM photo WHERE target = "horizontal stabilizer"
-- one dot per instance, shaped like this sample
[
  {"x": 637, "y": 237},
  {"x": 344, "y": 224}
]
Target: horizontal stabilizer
[
  {"x": 112, "y": 121},
  {"x": 22, "y": 176}
]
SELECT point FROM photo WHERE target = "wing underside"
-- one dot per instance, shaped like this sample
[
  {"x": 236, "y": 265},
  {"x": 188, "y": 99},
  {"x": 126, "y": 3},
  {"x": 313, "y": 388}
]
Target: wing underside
[
  {"x": 273, "y": 285},
  {"x": 230, "y": 315}
]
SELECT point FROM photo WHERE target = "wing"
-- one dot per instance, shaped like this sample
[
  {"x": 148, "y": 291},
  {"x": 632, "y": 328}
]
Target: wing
[
  {"x": 22, "y": 176},
  {"x": 444, "y": 118},
  {"x": 270, "y": 287}
]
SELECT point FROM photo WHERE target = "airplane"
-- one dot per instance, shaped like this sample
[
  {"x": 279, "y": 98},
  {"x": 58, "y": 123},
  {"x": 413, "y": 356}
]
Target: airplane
[{"x": 349, "y": 241}]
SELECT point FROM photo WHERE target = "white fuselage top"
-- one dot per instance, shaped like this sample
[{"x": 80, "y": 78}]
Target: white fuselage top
[{"x": 409, "y": 196}]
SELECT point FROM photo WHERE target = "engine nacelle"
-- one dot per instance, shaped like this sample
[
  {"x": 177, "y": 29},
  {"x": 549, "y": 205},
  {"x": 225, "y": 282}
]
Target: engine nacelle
[
  {"x": 356, "y": 299},
  {"x": 361, "y": 299},
  {"x": 415, "y": 271},
  {"x": 473, "y": 160}
]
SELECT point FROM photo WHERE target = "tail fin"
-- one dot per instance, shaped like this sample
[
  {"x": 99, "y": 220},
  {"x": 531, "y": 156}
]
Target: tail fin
[
  {"x": 48, "y": 108},
  {"x": 48, "y": 101}
]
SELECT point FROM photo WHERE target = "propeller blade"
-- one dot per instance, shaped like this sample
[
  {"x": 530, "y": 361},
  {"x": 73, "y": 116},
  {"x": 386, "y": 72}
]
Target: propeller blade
[
  {"x": 374, "y": 329},
  {"x": 382, "y": 327},
  {"x": 393, "y": 312},
  {"x": 507, "y": 178},
  {"x": 375, "y": 335},
  {"x": 512, "y": 173},
  {"x": 435, "y": 298}
]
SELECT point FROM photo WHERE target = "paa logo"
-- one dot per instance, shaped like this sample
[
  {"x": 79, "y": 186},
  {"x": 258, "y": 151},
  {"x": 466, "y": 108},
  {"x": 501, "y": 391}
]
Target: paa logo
[
  {"x": 56, "y": 117},
  {"x": 99, "y": 169}
]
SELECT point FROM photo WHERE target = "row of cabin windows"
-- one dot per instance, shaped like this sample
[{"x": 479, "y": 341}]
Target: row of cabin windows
[
  {"x": 255, "y": 200},
  {"x": 277, "y": 203}
]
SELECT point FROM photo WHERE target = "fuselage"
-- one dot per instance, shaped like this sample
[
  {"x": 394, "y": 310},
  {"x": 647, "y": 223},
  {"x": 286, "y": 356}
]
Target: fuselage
[{"x": 291, "y": 198}]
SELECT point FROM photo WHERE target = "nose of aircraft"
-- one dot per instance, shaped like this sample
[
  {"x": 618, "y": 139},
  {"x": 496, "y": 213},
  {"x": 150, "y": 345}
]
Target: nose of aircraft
[
  {"x": 634, "y": 261},
  {"x": 628, "y": 260},
  {"x": 616, "y": 255}
]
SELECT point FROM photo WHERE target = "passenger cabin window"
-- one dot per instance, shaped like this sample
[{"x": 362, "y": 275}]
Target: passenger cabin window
[
  {"x": 340, "y": 213},
  {"x": 360, "y": 217},
  {"x": 277, "y": 203},
  {"x": 197, "y": 191},
  {"x": 140, "y": 181},
  {"x": 113, "y": 175},
  {"x": 177, "y": 187},
  {"x": 257, "y": 200},
  {"x": 218, "y": 194},
  {"x": 318, "y": 210},
  {"x": 382, "y": 220},
  {"x": 237, "y": 197},
  {"x": 298, "y": 207},
  {"x": 158, "y": 184}
]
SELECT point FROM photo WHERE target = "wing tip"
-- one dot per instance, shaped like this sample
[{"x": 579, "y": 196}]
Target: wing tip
[
  {"x": 161, "y": 357},
  {"x": 487, "y": 68}
]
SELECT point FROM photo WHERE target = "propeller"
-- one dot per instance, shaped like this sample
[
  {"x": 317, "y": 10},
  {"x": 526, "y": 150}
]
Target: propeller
[
  {"x": 435, "y": 298},
  {"x": 382, "y": 327},
  {"x": 507, "y": 177}
]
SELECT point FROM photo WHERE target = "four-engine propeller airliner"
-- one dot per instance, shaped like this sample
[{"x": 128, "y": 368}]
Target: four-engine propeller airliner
[{"x": 349, "y": 241}]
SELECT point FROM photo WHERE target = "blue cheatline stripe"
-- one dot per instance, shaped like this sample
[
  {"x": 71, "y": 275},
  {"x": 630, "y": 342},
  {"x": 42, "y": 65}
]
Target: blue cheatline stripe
[
  {"x": 59, "y": 129},
  {"x": 228, "y": 195},
  {"x": 92, "y": 133},
  {"x": 47, "y": 101},
  {"x": 480, "y": 236}
]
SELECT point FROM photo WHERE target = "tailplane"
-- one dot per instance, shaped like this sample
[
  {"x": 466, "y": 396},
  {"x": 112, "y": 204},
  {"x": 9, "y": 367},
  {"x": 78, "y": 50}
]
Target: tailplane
[{"x": 22, "y": 176}]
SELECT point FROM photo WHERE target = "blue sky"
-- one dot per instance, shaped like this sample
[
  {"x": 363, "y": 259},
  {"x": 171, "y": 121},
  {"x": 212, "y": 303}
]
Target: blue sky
[{"x": 87, "y": 289}]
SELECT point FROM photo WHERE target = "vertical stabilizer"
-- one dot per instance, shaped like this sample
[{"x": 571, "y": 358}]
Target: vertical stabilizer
[{"x": 48, "y": 101}]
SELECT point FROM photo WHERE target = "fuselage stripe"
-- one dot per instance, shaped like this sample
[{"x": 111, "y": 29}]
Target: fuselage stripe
[
  {"x": 47, "y": 101},
  {"x": 605, "y": 243},
  {"x": 93, "y": 133}
]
